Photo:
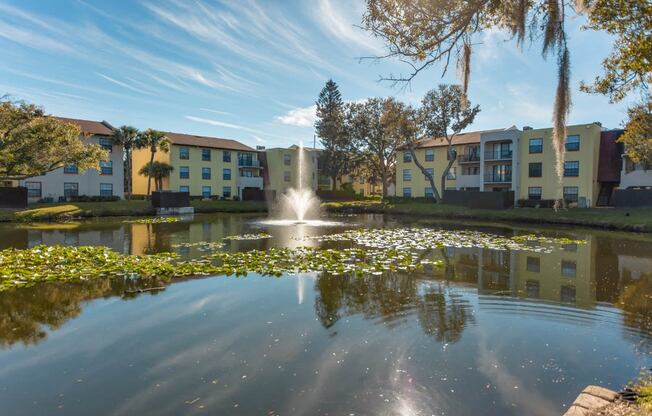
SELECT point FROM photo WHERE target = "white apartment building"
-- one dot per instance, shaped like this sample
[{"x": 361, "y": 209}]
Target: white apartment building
[{"x": 62, "y": 183}]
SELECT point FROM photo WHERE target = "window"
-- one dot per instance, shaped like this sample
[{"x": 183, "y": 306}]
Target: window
[
  {"x": 360, "y": 179},
  {"x": 407, "y": 192},
  {"x": 184, "y": 188},
  {"x": 573, "y": 143},
  {"x": 535, "y": 170},
  {"x": 106, "y": 168},
  {"x": 568, "y": 268},
  {"x": 572, "y": 168},
  {"x": 286, "y": 176},
  {"x": 206, "y": 154},
  {"x": 246, "y": 159},
  {"x": 206, "y": 173},
  {"x": 536, "y": 145},
  {"x": 430, "y": 172},
  {"x": 206, "y": 191},
  {"x": 570, "y": 193},
  {"x": 534, "y": 192},
  {"x": 567, "y": 294},
  {"x": 226, "y": 192},
  {"x": 226, "y": 174},
  {"x": 407, "y": 175},
  {"x": 226, "y": 156},
  {"x": 106, "y": 189},
  {"x": 430, "y": 155},
  {"x": 533, "y": 264},
  {"x": 407, "y": 157},
  {"x": 70, "y": 168},
  {"x": 532, "y": 289},
  {"x": 287, "y": 160},
  {"x": 428, "y": 193},
  {"x": 184, "y": 153},
  {"x": 184, "y": 172},
  {"x": 70, "y": 189},
  {"x": 33, "y": 189},
  {"x": 106, "y": 143},
  {"x": 452, "y": 173}
]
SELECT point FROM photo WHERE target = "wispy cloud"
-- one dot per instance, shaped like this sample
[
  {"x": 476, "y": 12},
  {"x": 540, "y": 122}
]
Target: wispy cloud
[
  {"x": 259, "y": 139},
  {"x": 224, "y": 113},
  {"x": 340, "y": 24},
  {"x": 300, "y": 116},
  {"x": 222, "y": 124},
  {"x": 124, "y": 84}
]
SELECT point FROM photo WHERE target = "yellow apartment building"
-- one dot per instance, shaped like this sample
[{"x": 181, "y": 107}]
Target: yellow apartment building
[
  {"x": 537, "y": 176},
  {"x": 282, "y": 169},
  {"x": 203, "y": 166},
  {"x": 433, "y": 155}
]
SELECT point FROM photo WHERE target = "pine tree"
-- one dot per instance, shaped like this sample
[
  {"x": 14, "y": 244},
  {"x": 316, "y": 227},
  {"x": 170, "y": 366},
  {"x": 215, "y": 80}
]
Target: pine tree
[{"x": 330, "y": 130}]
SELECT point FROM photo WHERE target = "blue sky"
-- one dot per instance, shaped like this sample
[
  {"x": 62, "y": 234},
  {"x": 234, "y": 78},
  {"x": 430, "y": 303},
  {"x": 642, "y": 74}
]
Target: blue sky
[{"x": 251, "y": 71}]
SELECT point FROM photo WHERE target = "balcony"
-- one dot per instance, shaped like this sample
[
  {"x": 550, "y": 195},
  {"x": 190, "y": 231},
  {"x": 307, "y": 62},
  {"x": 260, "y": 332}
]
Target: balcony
[
  {"x": 498, "y": 155},
  {"x": 248, "y": 163},
  {"x": 497, "y": 178},
  {"x": 471, "y": 158},
  {"x": 250, "y": 182}
]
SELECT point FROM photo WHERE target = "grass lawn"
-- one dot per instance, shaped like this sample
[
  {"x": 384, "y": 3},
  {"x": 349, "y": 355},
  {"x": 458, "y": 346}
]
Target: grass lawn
[
  {"x": 53, "y": 212},
  {"x": 632, "y": 219}
]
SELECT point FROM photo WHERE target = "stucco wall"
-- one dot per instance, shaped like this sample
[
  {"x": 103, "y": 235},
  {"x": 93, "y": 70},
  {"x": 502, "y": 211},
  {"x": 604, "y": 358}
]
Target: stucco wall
[
  {"x": 587, "y": 156},
  {"x": 52, "y": 183}
]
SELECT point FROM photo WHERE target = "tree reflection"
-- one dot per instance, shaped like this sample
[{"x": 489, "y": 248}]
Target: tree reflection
[
  {"x": 28, "y": 313},
  {"x": 392, "y": 298}
]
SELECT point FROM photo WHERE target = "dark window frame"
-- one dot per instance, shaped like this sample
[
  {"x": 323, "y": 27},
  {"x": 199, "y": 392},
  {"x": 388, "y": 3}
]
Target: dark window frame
[
  {"x": 535, "y": 173},
  {"x": 535, "y": 148}
]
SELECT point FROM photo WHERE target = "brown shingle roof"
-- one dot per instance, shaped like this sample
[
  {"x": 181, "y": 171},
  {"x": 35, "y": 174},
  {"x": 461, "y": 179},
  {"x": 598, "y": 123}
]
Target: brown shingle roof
[
  {"x": 101, "y": 128},
  {"x": 203, "y": 141},
  {"x": 472, "y": 137}
]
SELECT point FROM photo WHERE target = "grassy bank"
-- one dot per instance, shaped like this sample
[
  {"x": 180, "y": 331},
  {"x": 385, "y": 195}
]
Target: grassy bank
[
  {"x": 55, "y": 212},
  {"x": 635, "y": 219}
]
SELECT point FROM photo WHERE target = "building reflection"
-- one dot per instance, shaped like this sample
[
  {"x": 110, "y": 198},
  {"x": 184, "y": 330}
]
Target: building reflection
[
  {"x": 608, "y": 269},
  {"x": 575, "y": 276}
]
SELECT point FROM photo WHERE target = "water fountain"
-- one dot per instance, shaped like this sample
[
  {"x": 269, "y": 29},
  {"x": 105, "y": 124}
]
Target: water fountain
[{"x": 299, "y": 205}]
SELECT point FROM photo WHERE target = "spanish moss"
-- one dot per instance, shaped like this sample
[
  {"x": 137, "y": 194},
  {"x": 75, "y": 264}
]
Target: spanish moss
[
  {"x": 561, "y": 111},
  {"x": 465, "y": 72}
]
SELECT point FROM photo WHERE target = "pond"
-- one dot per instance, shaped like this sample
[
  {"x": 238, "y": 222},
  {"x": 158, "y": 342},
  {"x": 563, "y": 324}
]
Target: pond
[{"x": 476, "y": 329}]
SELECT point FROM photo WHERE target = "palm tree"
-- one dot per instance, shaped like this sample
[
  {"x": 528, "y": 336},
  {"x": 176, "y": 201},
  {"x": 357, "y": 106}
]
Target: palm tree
[
  {"x": 127, "y": 137},
  {"x": 155, "y": 140},
  {"x": 158, "y": 171}
]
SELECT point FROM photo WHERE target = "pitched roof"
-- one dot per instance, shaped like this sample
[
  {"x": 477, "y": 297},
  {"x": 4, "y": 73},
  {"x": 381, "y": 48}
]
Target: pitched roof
[
  {"x": 471, "y": 137},
  {"x": 204, "y": 141},
  {"x": 101, "y": 128}
]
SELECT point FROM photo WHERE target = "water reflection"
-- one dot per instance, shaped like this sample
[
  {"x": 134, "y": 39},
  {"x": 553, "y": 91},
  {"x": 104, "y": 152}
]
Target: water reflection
[
  {"x": 491, "y": 332},
  {"x": 606, "y": 269}
]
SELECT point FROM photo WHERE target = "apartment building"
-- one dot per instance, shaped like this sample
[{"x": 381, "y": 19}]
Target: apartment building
[
  {"x": 64, "y": 183},
  {"x": 498, "y": 163},
  {"x": 284, "y": 168},
  {"x": 433, "y": 155},
  {"x": 537, "y": 175},
  {"x": 203, "y": 166}
]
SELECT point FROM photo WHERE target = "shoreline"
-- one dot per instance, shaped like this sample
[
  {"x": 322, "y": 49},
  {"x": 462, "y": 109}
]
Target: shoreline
[{"x": 631, "y": 220}]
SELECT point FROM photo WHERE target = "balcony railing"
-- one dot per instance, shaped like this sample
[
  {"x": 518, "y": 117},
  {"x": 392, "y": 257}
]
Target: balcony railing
[
  {"x": 497, "y": 177},
  {"x": 497, "y": 154},
  {"x": 468, "y": 158},
  {"x": 248, "y": 163}
]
